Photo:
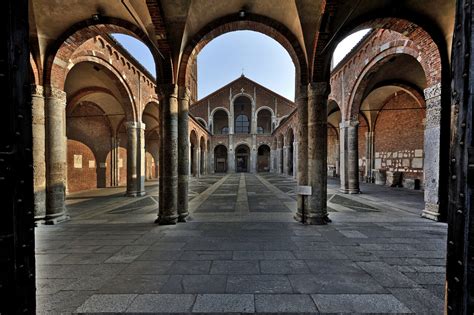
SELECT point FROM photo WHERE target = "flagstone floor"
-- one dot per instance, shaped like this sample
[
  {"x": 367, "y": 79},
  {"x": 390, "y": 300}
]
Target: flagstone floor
[{"x": 241, "y": 251}]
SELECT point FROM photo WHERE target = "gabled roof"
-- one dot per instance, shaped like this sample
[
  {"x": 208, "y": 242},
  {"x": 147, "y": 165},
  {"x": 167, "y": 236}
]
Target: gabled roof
[{"x": 242, "y": 78}]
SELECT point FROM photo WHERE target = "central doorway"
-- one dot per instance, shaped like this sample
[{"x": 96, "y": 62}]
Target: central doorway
[{"x": 242, "y": 158}]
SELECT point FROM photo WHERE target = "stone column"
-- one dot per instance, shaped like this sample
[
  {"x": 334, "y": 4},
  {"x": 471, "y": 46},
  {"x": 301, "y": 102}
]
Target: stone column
[
  {"x": 197, "y": 161},
  {"x": 272, "y": 162},
  {"x": 183, "y": 152},
  {"x": 135, "y": 159},
  {"x": 56, "y": 156},
  {"x": 253, "y": 154},
  {"x": 168, "y": 211},
  {"x": 302, "y": 106},
  {"x": 285, "y": 159},
  {"x": 39, "y": 164},
  {"x": 295, "y": 159},
  {"x": 369, "y": 155},
  {"x": 317, "y": 152},
  {"x": 338, "y": 157},
  {"x": 349, "y": 157},
  {"x": 231, "y": 155},
  {"x": 432, "y": 152}
]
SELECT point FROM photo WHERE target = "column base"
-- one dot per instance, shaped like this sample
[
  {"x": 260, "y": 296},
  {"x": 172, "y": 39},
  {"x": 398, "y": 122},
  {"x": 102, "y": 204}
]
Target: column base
[
  {"x": 166, "y": 220},
  {"x": 431, "y": 212},
  {"x": 350, "y": 191},
  {"x": 55, "y": 219},
  {"x": 311, "y": 220},
  {"x": 182, "y": 217},
  {"x": 135, "y": 193}
]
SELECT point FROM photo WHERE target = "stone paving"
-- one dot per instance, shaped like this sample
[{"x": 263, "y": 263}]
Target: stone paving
[{"x": 242, "y": 252}]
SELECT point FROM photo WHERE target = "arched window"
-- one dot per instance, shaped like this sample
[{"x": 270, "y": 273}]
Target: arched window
[
  {"x": 260, "y": 129},
  {"x": 242, "y": 124}
]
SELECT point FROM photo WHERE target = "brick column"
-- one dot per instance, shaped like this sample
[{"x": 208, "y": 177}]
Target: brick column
[
  {"x": 183, "y": 153},
  {"x": 302, "y": 107},
  {"x": 39, "y": 164},
  {"x": 168, "y": 208},
  {"x": 135, "y": 158},
  {"x": 349, "y": 131},
  {"x": 317, "y": 152},
  {"x": 432, "y": 152},
  {"x": 56, "y": 156}
]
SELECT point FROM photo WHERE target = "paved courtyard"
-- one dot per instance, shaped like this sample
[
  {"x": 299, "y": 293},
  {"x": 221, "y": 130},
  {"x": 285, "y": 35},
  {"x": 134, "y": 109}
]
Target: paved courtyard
[{"x": 241, "y": 251}]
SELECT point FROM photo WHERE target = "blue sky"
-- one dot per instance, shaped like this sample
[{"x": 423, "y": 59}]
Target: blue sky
[{"x": 222, "y": 60}]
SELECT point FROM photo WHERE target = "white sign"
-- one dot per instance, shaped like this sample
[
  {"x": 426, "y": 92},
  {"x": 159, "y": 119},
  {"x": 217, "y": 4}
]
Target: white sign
[
  {"x": 91, "y": 164},
  {"x": 304, "y": 190},
  {"x": 120, "y": 162},
  {"x": 77, "y": 161}
]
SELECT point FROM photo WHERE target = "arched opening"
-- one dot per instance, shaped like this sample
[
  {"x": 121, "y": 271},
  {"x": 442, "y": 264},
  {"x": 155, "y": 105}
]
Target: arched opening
[
  {"x": 202, "y": 146},
  {"x": 290, "y": 155},
  {"x": 95, "y": 108},
  {"x": 263, "y": 158},
  {"x": 152, "y": 140},
  {"x": 242, "y": 114},
  {"x": 334, "y": 121},
  {"x": 242, "y": 158},
  {"x": 220, "y": 159},
  {"x": 194, "y": 152},
  {"x": 220, "y": 122},
  {"x": 280, "y": 154},
  {"x": 264, "y": 121}
]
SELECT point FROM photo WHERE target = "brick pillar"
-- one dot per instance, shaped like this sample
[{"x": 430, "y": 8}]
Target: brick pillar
[
  {"x": 56, "y": 156},
  {"x": 253, "y": 154},
  {"x": 135, "y": 159},
  {"x": 338, "y": 157},
  {"x": 39, "y": 164},
  {"x": 168, "y": 211},
  {"x": 231, "y": 154},
  {"x": 432, "y": 152},
  {"x": 302, "y": 107},
  {"x": 317, "y": 152},
  {"x": 183, "y": 153},
  {"x": 349, "y": 131}
]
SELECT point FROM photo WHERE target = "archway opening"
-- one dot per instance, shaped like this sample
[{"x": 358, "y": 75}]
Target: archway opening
[
  {"x": 220, "y": 122},
  {"x": 264, "y": 122},
  {"x": 263, "y": 158},
  {"x": 242, "y": 158},
  {"x": 220, "y": 159},
  {"x": 243, "y": 114}
]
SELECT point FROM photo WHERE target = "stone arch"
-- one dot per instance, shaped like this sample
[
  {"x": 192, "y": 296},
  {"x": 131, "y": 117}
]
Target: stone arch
[
  {"x": 201, "y": 121},
  {"x": 253, "y": 22},
  {"x": 242, "y": 120},
  {"x": 242, "y": 157},
  {"x": 263, "y": 158},
  {"x": 202, "y": 146}
]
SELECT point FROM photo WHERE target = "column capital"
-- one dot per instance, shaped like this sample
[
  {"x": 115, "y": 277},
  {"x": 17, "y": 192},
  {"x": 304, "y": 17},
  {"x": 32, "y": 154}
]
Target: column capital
[
  {"x": 432, "y": 91},
  {"x": 135, "y": 125},
  {"x": 166, "y": 90},
  {"x": 52, "y": 92},
  {"x": 319, "y": 89},
  {"x": 37, "y": 90},
  {"x": 348, "y": 123},
  {"x": 184, "y": 93}
]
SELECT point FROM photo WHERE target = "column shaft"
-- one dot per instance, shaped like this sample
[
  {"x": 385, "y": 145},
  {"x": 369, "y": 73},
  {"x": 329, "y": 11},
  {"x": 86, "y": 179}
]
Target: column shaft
[
  {"x": 183, "y": 153},
  {"x": 317, "y": 152},
  {"x": 349, "y": 157},
  {"x": 302, "y": 105},
  {"x": 39, "y": 164},
  {"x": 432, "y": 152},
  {"x": 135, "y": 159},
  {"x": 56, "y": 161},
  {"x": 168, "y": 211}
]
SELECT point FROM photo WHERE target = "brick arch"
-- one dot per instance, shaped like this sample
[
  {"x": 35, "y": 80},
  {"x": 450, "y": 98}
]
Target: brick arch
[
  {"x": 59, "y": 53},
  {"x": 358, "y": 90},
  {"x": 34, "y": 71},
  {"x": 430, "y": 44},
  {"x": 127, "y": 101},
  {"x": 252, "y": 22}
]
